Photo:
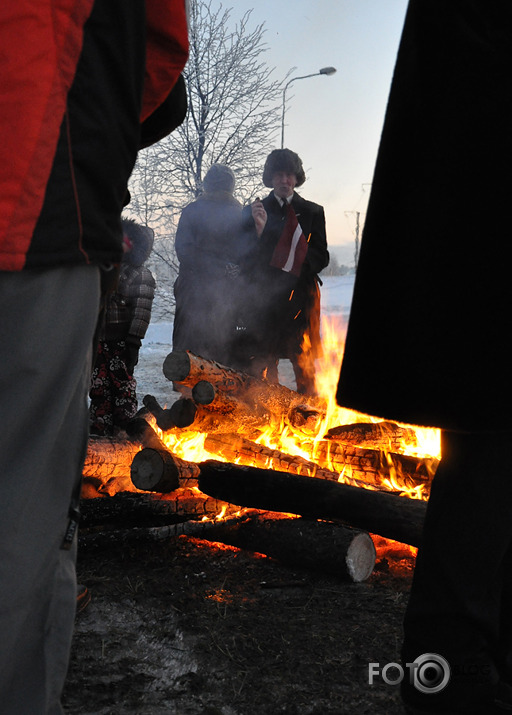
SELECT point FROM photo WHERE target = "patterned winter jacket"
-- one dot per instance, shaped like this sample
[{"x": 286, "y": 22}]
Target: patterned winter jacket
[{"x": 128, "y": 310}]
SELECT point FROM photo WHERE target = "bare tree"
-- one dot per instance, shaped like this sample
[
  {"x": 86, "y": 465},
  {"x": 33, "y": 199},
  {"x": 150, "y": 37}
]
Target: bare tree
[{"x": 233, "y": 118}]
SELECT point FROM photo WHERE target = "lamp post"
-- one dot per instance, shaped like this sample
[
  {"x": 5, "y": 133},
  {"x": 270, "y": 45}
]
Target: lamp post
[{"x": 324, "y": 70}]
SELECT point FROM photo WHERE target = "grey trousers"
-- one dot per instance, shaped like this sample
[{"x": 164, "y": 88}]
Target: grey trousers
[{"x": 47, "y": 322}]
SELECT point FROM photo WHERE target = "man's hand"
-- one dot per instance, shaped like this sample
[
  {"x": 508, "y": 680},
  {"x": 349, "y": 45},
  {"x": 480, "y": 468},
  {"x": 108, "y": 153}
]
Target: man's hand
[{"x": 259, "y": 216}]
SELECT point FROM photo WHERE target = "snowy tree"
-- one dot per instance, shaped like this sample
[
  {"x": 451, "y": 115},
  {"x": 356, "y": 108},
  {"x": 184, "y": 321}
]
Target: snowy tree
[{"x": 233, "y": 118}]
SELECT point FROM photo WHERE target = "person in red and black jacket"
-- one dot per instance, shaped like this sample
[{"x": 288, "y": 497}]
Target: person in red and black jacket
[{"x": 80, "y": 81}]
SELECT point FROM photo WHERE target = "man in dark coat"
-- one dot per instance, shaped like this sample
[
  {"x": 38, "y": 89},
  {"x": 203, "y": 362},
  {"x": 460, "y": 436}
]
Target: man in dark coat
[
  {"x": 287, "y": 249},
  {"x": 208, "y": 248},
  {"x": 425, "y": 342}
]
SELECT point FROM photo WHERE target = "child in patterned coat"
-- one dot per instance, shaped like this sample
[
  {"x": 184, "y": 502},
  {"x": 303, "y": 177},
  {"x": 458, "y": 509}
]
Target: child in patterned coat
[{"x": 126, "y": 319}]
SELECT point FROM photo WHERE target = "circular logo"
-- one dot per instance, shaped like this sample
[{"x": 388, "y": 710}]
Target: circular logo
[{"x": 431, "y": 673}]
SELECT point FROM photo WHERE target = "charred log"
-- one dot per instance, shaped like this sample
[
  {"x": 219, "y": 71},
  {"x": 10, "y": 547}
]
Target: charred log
[
  {"x": 139, "y": 509},
  {"x": 388, "y": 515},
  {"x": 330, "y": 548},
  {"x": 189, "y": 369},
  {"x": 401, "y": 472},
  {"x": 158, "y": 470},
  {"x": 162, "y": 416},
  {"x": 140, "y": 431},
  {"x": 235, "y": 448},
  {"x": 306, "y": 418},
  {"x": 378, "y": 435},
  {"x": 107, "y": 466},
  {"x": 183, "y": 412}
]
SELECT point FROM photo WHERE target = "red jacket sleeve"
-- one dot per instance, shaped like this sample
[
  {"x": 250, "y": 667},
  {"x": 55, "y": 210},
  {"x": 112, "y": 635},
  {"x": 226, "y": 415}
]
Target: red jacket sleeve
[
  {"x": 167, "y": 50},
  {"x": 47, "y": 36}
]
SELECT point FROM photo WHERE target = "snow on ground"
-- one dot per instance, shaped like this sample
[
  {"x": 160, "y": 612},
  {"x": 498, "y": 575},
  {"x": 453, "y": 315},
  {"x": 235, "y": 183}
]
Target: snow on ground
[{"x": 336, "y": 297}]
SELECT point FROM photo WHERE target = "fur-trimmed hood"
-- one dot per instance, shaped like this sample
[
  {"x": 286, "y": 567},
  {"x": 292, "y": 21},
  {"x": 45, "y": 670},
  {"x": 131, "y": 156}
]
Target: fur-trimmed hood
[{"x": 141, "y": 239}]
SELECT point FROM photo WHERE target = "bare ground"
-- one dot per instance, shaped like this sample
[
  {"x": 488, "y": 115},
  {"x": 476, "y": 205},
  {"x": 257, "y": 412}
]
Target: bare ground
[{"x": 187, "y": 627}]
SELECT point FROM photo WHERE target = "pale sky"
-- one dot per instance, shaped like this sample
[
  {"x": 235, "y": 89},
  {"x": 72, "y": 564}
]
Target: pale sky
[{"x": 333, "y": 123}]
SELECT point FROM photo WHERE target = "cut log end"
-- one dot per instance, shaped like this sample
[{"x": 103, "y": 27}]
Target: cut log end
[
  {"x": 183, "y": 412},
  {"x": 176, "y": 366},
  {"x": 154, "y": 470},
  {"x": 361, "y": 557},
  {"x": 203, "y": 392}
]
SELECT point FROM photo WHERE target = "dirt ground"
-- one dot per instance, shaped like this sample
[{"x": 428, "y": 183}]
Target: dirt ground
[{"x": 189, "y": 627}]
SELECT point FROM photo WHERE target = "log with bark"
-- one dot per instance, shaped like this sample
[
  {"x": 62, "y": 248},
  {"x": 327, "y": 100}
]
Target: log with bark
[
  {"x": 377, "y": 435},
  {"x": 237, "y": 449},
  {"x": 163, "y": 416},
  {"x": 394, "y": 517},
  {"x": 137, "y": 509},
  {"x": 107, "y": 466},
  {"x": 318, "y": 545},
  {"x": 399, "y": 472},
  {"x": 189, "y": 369},
  {"x": 108, "y": 461},
  {"x": 330, "y": 548},
  {"x": 158, "y": 470}
]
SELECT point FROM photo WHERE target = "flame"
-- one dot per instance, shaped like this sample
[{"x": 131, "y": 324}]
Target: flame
[
  {"x": 279, "y": 435},
  {"x": 190, "y": 445}
]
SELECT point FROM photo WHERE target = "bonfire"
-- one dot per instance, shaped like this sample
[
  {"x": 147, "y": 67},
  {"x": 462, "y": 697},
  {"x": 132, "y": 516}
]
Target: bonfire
[{"x": 246, "y": 460}]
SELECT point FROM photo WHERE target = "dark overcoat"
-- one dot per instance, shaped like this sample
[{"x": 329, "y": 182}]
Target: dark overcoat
[
  {"x": 427, "y": 338},
  {"x": 208, "y": 249},
  {"x": 281, "y": 304}
]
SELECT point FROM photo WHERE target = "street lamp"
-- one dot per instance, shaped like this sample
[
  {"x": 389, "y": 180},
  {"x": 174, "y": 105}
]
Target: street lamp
[{"x": 324, "y": 70}]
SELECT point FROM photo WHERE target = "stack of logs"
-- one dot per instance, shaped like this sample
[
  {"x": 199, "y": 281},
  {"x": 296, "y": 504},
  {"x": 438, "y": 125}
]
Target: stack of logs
[{"x": 232, "y": 409}]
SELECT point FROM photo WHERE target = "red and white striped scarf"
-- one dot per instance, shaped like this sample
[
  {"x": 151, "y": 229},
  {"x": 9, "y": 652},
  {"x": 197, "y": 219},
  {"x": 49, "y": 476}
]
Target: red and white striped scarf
[{"x": 292, "y": 247}]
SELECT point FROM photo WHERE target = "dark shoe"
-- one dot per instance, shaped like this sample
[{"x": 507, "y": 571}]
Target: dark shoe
[{"x": 83, "y": 598}]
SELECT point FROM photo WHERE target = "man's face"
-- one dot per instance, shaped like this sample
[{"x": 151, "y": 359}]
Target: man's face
[{"x": 283, "y": 184}]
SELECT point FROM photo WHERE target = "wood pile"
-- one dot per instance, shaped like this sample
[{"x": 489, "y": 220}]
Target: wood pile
[{"x": 352, "y": 484}]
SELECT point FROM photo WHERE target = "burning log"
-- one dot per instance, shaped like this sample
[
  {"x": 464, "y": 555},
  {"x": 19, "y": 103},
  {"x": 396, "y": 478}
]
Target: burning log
[
  {"x": 162, "y": 416},
  {"x": 233, "y": 447},
  {"x": 320, "y": 546},
  {"x": 388, "y": 515},
  {"x": 402, "y": 472},
  {"x": 141, "y": 509},
  {"x": 158, "y": 470},
  {"x": 183, "y": 412},
  {"x": 189, "y": 369},
  {"x": 383, "y": 435},
  {"x": 306, "y": 419},
  {"x": 139, "y": 430},
  {"x": 107, "y": 466},
  {"x": 108, "y": 461},
  {"x": 359, "y": 467}
]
